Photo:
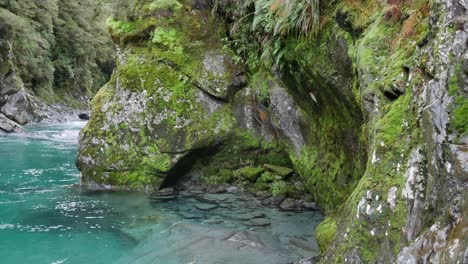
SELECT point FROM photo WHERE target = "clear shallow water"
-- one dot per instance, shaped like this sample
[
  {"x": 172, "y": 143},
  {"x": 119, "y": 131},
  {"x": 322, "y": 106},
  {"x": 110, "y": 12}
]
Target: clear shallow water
[{"x": 46, "y": 218}]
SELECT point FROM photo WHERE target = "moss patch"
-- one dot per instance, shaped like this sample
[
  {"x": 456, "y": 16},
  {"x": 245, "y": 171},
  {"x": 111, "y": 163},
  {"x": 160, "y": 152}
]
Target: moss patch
[{"x": 324, "y": 232}]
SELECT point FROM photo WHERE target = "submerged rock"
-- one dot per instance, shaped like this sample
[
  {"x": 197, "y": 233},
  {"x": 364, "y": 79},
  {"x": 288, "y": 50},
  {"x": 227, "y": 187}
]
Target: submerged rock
[
  {"x": 206, "y": 207},
  {"x": 259, "y": 222},
  {"x": 208, "y": 245}
]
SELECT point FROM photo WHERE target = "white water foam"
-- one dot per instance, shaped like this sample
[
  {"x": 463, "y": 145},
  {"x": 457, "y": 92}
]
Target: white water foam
[{"x": 62, "y": 132}]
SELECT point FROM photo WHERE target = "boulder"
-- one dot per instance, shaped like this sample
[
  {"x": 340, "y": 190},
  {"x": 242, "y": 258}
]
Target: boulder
[
  {"x": 172, "y": 106},
  {"x": 9, "y": 126},
  {"x": 279, "y": 170},
  {"x": 18, "y": 107},
  {"x": 251, "y": 173}
]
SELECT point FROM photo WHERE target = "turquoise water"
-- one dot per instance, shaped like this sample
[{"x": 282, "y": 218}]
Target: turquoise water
[{"x": 45, "y": 217}]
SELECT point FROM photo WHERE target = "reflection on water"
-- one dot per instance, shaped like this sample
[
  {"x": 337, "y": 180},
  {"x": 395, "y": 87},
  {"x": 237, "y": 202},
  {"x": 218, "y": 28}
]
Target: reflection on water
[{"x": 46, "y": 218}]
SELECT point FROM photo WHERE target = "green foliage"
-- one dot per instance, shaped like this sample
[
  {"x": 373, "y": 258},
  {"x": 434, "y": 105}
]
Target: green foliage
[
  {"x": 60, "y": 49},
  {"x": 263, "y": 26},
  {"x": 83, "y": 56},
  {"x": 169, "y": 38},
  {"x": 267, "y": 177},
  {"x": 30, "y": 48},
  {"x": 120, "y": 27},
  {"x": 282, "y": 188}
]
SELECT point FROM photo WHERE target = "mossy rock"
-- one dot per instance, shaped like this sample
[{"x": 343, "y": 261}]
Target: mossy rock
[
  {"x": 267, "y": 177},
  {"x": 251, "y": 173},
  {"x": 162, "y": 112},
  {"x": 324, "y": 232},
  {"x": 279, "y": 170}
]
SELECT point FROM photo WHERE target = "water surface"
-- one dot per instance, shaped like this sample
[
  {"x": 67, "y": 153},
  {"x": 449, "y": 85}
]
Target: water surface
[{"x": 45, "y": 217}]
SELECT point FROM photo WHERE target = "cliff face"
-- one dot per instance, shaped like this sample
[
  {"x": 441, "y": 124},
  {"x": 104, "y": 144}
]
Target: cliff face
[
  {"x": 52, "y": 54},
  {"x": 366, "y": 101},
  {"x": 410, "y": 205}
]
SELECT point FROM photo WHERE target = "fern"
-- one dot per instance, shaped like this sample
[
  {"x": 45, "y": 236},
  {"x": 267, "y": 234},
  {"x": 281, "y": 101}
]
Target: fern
[{"x": 268, "y": 23}]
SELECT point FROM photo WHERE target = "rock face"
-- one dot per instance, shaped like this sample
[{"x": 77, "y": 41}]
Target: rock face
[
  {"x": 372, "y": 113},
  {"x": 410, "y": 205}
]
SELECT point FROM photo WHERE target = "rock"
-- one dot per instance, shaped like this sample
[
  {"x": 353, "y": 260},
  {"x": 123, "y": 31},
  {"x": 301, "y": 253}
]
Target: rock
[
  {"x": 232, "y": 189},
  {"x": 164, "y": 194},
  {"x": 251, "y": 173},
  {"x": 18, "y": 107},
  {"x": 214, "y": 220},
  {"x": 244, "y": 217},
  {"x": 310, "y": 260},
  {"x": 216, "y": 64},
  {"x": 310, "y": 206},
  {"x": 163, "y": 197},
  {"x": 83, "y": 116},
  {"x": 218, "y": 245},
  {"x": 206, "y": 207},
  {"x": 302, "y": 244},
  {"x": 9, "y": 126},
  {"x": 249, "y": 216},
  {"x": 288, "y": 114},
  {"x": 196, "y": 192},
  {"x": 259, "y": 222},
  {"x": 258, "y": 215},
  {"x": 263, "y": 194},
  {"x": 290, "y": 204},
  {"x": 214, "y": 198},
  {"x": 243, "y": 238},
  {"x": 166, "y": 191},
  {"x": 187, "y": 215},
  {"x": 216, "y": 189},
  {"x": 391, "y": 197},
  {"x": 281, "y": 171},
  {"x": 274, "y": 201}
]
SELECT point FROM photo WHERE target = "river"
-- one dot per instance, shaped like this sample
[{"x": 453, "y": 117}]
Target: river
[{"x": 46, "y": 217}]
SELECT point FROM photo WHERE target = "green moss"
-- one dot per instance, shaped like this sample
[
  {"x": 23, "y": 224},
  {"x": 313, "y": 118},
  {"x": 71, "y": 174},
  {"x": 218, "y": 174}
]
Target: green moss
[
  {"x": 251, "y": 173},
  {"x": 459, "y": 106},
  {"x": 454, "y": 86},
  {"x": 279, "y": 170},
  {"x": 324, "y": 232},
  {"x": 460, "y": 114},
  {"x": 160, "y": 5},
  {"x": 126, "y": 31}
]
